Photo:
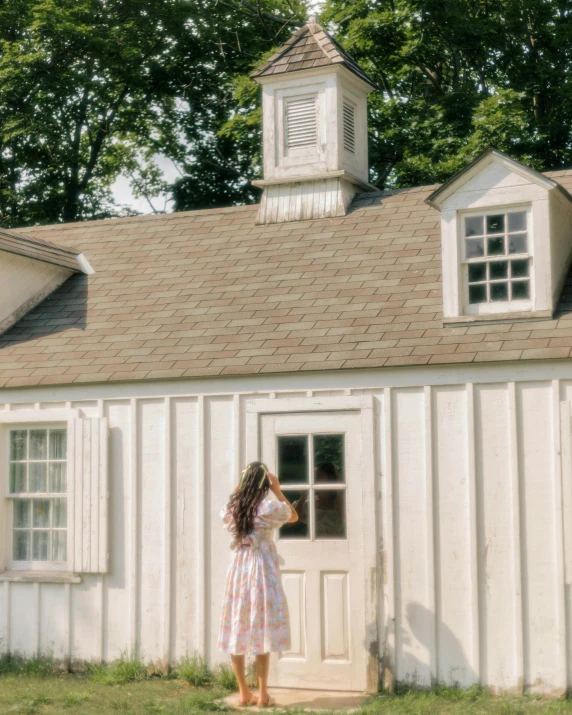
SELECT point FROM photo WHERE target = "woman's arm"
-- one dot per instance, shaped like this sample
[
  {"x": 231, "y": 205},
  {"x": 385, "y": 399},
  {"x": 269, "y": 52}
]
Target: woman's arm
[{"x": 275, "y": 488}]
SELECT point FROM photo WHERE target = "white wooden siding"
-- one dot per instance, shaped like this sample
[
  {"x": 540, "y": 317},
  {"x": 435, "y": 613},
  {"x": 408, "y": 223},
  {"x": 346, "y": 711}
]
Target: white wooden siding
[{"x": 472, "y": 584}]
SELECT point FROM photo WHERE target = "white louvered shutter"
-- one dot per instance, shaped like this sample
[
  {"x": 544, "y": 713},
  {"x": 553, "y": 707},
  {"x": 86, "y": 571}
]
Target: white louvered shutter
[
  {"x": 301, "y": 122},
  {"x": 349, "y": 127},
  {"x": 88, "y": 454}
]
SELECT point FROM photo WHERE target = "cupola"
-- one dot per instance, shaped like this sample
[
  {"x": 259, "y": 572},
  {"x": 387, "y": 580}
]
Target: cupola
[{"x": 314, "y": 100}]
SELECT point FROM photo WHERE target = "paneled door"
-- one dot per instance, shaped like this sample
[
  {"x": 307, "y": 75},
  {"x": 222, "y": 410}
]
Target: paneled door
[{"x": 317, "y": 457}]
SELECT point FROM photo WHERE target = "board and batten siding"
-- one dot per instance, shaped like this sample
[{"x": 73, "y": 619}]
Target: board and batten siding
[{"x": 474, "y": 523}]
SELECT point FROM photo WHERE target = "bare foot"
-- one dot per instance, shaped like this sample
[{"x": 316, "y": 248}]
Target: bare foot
[
  {"x": 251, "y": 700},
  {"x": 268, "y": 704}
]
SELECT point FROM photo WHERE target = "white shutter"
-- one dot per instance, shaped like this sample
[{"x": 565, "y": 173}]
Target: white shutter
[
  {"x": 87, "y": 453},
  {"x": 349, "y": 128},
  {"x": 301, "y": 122}
]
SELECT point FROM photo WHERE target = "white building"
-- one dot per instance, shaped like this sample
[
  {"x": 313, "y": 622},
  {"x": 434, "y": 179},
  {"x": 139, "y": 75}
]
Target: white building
[{"x": 418, "y": 340}]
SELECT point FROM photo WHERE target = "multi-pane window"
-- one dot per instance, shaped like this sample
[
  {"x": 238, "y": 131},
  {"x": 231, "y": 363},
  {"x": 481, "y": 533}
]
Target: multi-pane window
[
  {"x": 497, "y": 257},
  {"x": 312, "y": 476},
  {"x": 37, "y": 488}
]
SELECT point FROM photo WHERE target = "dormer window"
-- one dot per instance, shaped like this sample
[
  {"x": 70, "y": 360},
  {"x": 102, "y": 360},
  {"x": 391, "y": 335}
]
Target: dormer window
[
  {"x": 506, "y": 242},
  {"x": 497, "y": 260}
]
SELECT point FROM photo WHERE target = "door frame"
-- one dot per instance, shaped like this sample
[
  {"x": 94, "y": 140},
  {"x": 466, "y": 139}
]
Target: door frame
[{"x": 364, "y": 404}]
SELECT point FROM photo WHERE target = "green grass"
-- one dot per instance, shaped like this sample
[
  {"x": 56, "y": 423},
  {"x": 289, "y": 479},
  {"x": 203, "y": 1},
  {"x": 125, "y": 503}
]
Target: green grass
[{"x": 36, "y": 686}]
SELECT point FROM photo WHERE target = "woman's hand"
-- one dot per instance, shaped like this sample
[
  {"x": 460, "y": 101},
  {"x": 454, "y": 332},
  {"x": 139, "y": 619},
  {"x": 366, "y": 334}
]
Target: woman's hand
[{"x": 274, "y": 483}]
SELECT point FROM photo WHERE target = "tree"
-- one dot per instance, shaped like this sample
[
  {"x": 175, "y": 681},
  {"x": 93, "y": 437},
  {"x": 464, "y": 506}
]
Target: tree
[{"x": 93, "y": 88}]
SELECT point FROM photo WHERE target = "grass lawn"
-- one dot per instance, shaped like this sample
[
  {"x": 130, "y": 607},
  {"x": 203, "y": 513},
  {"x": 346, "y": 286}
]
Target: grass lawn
[{"x": 35, "y": 687}]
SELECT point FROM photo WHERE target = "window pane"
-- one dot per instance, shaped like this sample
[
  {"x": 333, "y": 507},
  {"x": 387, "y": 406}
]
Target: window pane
[
  {"x": 21, "y": 548},
  {"x": 330, "y": 513},
  {"x": 37, "y": 477},
  {"x": 498, "y": 269},
  {"x": 477, "y": 272},
  {"x": 474, "y": 226},
  {"x": 329, "y": 458},
  {"x": 21, "y": 513},
  {"x": 59, "y": 513},
  {"x": 499, "y": 291},
  {"x": 519, "y": 269},
  {"x": 520, "y": 290},
  {"x": 58, "y": 444},
  {"x": 517, "y": 221},
  {"x": 57, "y": 477},
  {"x": 38, "y": 444},
  {"x": 301, "y": 528},
  {"x": 17, "y": 477},
  {"x": 18, "y": 444},
  {"x": 478, "y": 294},
  {"x": 517, "y": 243},
  {"x": 40, "y": 540},
  {"x": 475, "y": 248},
  {"x": 495, "y": 224},
  {"x": 41, "y": 512},
  {"x": 495, "y": 246},
  {"x": 293, "y": 460},
  {"x": 59, "y": 546}
]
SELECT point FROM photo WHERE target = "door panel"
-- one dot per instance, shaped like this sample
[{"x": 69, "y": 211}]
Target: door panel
[{"x": 317, "y": 457}]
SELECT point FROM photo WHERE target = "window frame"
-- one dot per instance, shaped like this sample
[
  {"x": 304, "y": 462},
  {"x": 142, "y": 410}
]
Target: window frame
[
  {"x": 311, "y": 487},
  {"x": 495, "y": 307},
  {"x": 34, "y": 419},
  {"x": 32, "y": 565}
]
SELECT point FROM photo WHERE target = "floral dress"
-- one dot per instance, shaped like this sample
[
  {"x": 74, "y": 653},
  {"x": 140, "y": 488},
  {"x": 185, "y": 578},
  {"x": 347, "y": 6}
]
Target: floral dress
[{"x": 254, "y": 617}]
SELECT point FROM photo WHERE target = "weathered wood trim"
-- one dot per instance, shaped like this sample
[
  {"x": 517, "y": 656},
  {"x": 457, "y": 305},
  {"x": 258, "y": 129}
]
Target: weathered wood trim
[
  {"x": 40, "y": 577},
  {"x": 201, "y": 526},
  {"x": 559, "y": 531},
  {"x": 518, "y": 555},
  {"x": 474, "y": 530},
  {"x": 389, "y": 545},
  {"x": 307, "y": 404},
  {"x": 433, "y": 560},
  {"x": 132, "y": 561},
  {"x": 168, "y": 553},
  {"x": 566, "y": 455}
]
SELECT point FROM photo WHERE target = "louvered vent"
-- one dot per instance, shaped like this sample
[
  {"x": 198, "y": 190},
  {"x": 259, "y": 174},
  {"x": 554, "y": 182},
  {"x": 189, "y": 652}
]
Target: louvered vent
[
  {"x": 301, "y": 123},
  {"x": 349, "y": 128}
]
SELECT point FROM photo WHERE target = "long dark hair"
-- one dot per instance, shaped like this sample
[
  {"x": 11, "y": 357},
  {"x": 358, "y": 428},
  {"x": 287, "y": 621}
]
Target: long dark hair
[{"x": 243, "y": 501}]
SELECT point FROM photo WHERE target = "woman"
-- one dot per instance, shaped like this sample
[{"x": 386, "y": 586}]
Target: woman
[{"x": 254, "y": 617}]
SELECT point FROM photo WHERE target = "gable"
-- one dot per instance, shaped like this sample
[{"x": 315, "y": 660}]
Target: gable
[{"x": 25, "y": 282}]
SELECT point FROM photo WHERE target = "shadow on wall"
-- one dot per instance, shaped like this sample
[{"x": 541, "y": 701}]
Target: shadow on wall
[
  {"x": 64, "y": 309},
  {"x": 408, "y": 667}
]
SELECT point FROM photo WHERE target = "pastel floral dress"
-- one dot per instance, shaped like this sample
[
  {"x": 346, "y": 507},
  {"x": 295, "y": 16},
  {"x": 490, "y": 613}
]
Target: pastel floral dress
[{"x": 254, "y": 616}]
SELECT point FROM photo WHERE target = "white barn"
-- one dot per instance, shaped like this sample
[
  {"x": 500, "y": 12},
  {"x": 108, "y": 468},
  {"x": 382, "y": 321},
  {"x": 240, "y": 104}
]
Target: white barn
[{"x": 418, "y": 340}]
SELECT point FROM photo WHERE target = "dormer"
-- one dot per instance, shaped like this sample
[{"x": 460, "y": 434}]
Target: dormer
[
  {"x": 314, "y": 102},
  {"x": 506, "y": 241},
  {"x": 31, "y": 269}
]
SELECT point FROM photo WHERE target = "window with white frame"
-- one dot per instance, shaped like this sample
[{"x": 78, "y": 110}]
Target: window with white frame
[
  {"x": 497, "y": 257},
  {"x": 37, "y": 489}
]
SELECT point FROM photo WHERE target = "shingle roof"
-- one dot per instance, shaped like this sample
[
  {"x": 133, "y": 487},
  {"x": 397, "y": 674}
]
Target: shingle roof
[
  {"x": 308, "y": 48},
  {"x": 212, "y": 293},
  {"x": 40, "y": 250}
]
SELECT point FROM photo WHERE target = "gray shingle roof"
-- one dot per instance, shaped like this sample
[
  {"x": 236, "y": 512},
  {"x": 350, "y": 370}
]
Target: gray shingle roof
[
  {"x": 308, "y": 48},
  {"x": 212, "y": 293}
]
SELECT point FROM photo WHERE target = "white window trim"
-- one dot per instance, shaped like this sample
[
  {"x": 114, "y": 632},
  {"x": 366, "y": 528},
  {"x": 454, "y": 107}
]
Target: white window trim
[
  {"x": 29, "y": 570},
  {"x": 497, "y": 307}
]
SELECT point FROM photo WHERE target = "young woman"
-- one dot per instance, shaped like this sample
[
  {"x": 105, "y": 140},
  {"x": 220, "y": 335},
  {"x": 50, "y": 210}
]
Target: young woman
[{"x": 254, "y": 617}]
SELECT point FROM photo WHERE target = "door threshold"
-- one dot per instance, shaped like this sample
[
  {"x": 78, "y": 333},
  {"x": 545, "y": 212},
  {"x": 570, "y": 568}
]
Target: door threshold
[{"x": 310, "y": 700}]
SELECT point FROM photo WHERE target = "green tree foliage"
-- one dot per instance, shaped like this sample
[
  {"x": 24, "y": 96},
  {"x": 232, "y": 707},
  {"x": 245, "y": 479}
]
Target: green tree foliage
[
  {"x": 90, "y": 89},
  {"x": 459, "y": 76}
]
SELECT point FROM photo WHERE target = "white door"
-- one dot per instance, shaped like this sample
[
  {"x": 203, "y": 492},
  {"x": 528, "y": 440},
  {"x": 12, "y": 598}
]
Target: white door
[{"x": 317, "y": 457}]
